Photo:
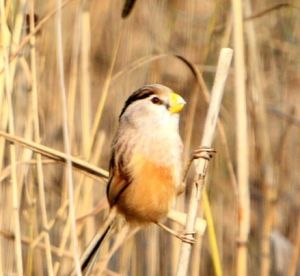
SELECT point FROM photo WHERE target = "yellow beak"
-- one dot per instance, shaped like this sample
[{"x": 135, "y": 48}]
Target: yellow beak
[{"x": 176, "y": 103}]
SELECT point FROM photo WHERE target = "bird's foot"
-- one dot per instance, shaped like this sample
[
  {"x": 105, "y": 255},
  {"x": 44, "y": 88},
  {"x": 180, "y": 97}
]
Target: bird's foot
[
  {"x": 185, "y": 237},
  {"x": 203, "y": 152}
]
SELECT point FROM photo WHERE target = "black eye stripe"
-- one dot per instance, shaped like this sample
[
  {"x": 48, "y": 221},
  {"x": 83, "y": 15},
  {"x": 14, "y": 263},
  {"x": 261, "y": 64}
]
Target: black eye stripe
[{"x": 140, "y": 94}]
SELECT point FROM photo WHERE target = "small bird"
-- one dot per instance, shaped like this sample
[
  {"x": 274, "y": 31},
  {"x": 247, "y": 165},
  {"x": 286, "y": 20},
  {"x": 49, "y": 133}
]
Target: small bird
[{"x": 145, "y": 170}]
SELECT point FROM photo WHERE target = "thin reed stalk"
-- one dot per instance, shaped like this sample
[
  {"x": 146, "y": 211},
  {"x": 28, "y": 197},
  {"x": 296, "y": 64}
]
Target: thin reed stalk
[
  {"x": 5, "y": 40},
  {"x": 105, "y": 88},
  {"x": 28, "y": 241},
  {"x": 73, "y": 76},
  {"x": 60, "y": 60},
  {"x": 263, "y": 144},
  {"x": 12, "y": 148},
  {"x": 212, "y": 236},
  {"x": 16, "y": 35},
  {"x": 86, "y": 119},
  {"x": 241, "y": 138},
  {"x": 56, "y": 155},
  {"x": 201, "y": 166},
  {"x": 85, "y": 91},
  {"x": 37, "y": 139},
  {"x": 94, "y": 132},
  {"x": 26, "y": 39}
]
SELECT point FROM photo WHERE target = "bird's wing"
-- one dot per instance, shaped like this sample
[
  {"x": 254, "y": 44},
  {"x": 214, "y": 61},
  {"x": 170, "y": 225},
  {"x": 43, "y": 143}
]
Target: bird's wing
[{"x": 118, "y": 181}]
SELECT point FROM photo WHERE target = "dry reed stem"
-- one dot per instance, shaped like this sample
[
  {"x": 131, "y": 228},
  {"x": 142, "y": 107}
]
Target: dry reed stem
[
  {"x": 137, "y": 64},
  {"x": 57, "y": 155},
  {"x": 10, "y": 42},
  {"x": 98, "y": 118},
  {"x": 197, "y": 252},
  {"x": 220, "y": 125},
  {"x": 60, "y": 60},
  {"x": 201, "y": 166},
  {"x": 88, "y": 201},
  {"x": 5, "y": 40},
  {"x": 59, "y": 214},
  {"x": 270, "y": 9},
  {"x": 124, "y": 263},
  {"x": 101, "y": 206},
  {"x": 241, "y": 138},
  {"x": 263, "y": 144},
  {"x": 28, "y": 241},
  {"x": 212, "y": 235},
  {"x": 18, "y": 47},
  {"x": 67, "y": 227},
  {"x": 262, "y": 13},
  {"x": 86, "y": 119},
  {"x": 12, "y": 149},
  {"x": 290, "y": 117},
  {"x": 37, "y": 139},
  {"x": 5, "y": 36},
  {"x": 61, "y": 157},
  {"x": 190, "y": 118},
  {"x": 98, "y": 148},
  {"x": 26, "y": 154},
  {"x": 31, "y": 218},
  {"x": 180, "y": 217},
  {"x": 65, "y": 159},
  {"x": 105, "y": 88},
  {"x": 16, "y": 35},
  {"x": 152, "y": 258},
  {"x": 6, "y": 172},
  {"x": 73, "y": 75},
  {"x": 63, "y": 243},
  {"x": 85, "y": 91}
]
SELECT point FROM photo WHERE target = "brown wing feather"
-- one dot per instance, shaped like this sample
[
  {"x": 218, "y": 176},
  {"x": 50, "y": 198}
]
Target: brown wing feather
[{"x": 118, "y": 180}]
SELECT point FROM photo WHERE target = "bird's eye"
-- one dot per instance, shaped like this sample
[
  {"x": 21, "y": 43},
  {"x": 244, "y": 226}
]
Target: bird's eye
[{"x": 156, "y": 100}]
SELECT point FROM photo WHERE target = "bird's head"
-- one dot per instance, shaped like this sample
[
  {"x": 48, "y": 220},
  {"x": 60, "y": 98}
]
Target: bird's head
[{"x": 153, "y": 103}]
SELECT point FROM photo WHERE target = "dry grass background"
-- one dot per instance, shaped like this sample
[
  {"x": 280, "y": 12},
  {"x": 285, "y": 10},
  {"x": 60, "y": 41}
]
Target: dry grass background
[{"x": 107, "y": 57}]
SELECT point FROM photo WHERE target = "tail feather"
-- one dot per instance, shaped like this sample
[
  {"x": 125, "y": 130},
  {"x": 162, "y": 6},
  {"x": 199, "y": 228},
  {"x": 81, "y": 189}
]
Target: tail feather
[
  {"x": 90, "y": 254},
  {"x": 127, "y": 8}
]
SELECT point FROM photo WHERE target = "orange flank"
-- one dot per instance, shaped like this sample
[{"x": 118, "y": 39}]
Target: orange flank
[{"x": 148, "y": 197}]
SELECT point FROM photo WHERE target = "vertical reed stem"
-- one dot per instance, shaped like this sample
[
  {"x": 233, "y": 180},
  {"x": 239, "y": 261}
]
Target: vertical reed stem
[
  {"x": 263, "y": 145},
  {"x": 60, "y": 60},
  {"x": 37, "y": 139},
  {"x": 12, "y": 148},
  {"x": 201, "y": 166},
  {"x": 241, "y": 137}
]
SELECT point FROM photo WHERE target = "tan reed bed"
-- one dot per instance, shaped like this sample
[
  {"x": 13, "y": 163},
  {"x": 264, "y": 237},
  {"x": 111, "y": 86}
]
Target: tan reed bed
[{"x": 105, "y": 57}]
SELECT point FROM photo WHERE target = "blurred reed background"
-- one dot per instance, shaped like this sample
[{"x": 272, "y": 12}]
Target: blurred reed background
[{"x": 105, "y": 58}]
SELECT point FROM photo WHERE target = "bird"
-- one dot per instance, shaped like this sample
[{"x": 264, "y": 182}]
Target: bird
[{"x": 145, "y": 168}]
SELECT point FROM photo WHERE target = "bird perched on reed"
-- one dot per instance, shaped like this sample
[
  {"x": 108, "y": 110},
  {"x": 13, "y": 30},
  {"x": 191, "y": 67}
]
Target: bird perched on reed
[{"x": 146, "y": 161}]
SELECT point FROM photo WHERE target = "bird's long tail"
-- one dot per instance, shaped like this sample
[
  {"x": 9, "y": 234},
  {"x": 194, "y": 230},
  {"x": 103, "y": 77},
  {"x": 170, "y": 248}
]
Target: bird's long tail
[{"x": 90, "y": 254}]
